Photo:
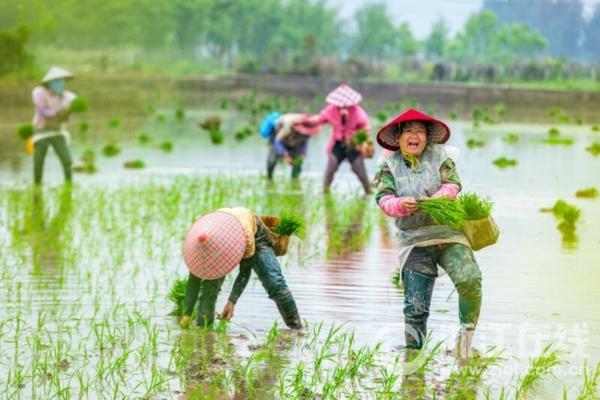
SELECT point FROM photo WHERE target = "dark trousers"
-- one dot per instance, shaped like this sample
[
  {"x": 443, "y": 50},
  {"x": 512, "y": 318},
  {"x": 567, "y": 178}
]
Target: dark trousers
[{"x": 40, "y": 148}]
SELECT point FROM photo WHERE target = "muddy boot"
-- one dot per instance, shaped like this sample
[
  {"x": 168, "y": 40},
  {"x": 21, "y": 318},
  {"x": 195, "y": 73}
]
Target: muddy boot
[
  {"x": 464, "y": 344},
  {"x": 289, "y": 313}
]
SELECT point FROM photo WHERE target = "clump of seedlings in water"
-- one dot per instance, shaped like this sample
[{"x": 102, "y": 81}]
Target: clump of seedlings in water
[
  {"x": 111, "y": 150},
  {"x": 503, "y": 162},
  {"x": 160, "y": 118},
  {"x": 224, "y": 104},
  {"x": 88, "y": 158},
  {"x": 381, "y": 116},
  {"x": 213, "y": 126},
  {"x": 84, "y": 126},
  {"x": 25, "y": 131},
  {"x": 289, "y": 225},
  {"x": 177, "y": 296},
  {"x": 587, "y": 193},
  {"x": 179, "y": 114},
  {"x": 540, "y": 367},
  {"x": 143, "y": 138},
  {"x": 134, "y": 164},
  {"x": 594, "y": 148},
  {"x": 595, "y": 128},
  {"x": 473, "y": 142},
  {"x": 553, "y": 132},
  {"x": 554, "y": 137},
  {"x": 114, "y": 123},
  {"x": 559, "y": 115},
  {"x": 166, "y": 146},
  {"x": 511, "y": 138},
  {"x": 568, "y": 215},
  {"x": 243, "y": 133},
  {"x": 79, "y": 105}
]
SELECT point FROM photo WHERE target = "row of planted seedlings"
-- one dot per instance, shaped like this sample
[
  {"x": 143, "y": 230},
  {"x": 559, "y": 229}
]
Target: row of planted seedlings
[
  {"x": 88, "y": 319},
  {"x": 98, "y": 262}
]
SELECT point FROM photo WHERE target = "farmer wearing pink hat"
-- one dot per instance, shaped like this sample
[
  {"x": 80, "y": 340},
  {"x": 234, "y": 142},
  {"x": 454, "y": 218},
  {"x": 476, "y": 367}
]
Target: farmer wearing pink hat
[
  {"x": 419, "y": 166},
  {"x": 347, "y": 118},
  {"x": 290, "y": 142},
  {"x": 213, "y": 246}
]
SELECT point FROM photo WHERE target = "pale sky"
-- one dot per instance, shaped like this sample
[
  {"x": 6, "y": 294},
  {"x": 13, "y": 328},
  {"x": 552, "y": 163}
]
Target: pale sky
[{"x": 421, "y": 14}]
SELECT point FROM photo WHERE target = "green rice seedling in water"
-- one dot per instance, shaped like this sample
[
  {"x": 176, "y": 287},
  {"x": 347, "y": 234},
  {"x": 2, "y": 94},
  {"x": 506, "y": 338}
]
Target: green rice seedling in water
[
  {"x": 25, "y": 131},
  {"x": 474, "y": 206},
  {"x": 503, "y": 162},
  {"x": 217, "y": 137},
  {"x": 472, "y": 142},
  {"x": 579, "y": 121},
  {"x": 558, "y": 140},
  {"x": 539, "y": 368},
  {"x": 166, "y": 146},
  {"x": 591, "y": 381},
  {"x": 88, "y": 156},
  {"x": 381, "y": 116},
  {"x": 501, "y": 110},
  {"x": 594, "y": 148},
  {"x": 134, "y": 164},
  {"x": 511, "y": 138},
  {"x": 595, "y": 128},
  {"x": 289, "y": 225},
  {"x": 161, "y": 118},
  {"x": 143, "y": 138},
  {"x": 84, "y": 127},
  {"x": 179, "y": 114},
  {"x": 553, "y": 132},
  {"x": 79, "y": 105},
  {"x": 453, "y": 115},
  {"x": 114, "y": 123},
  {"x": 444, "y": 211},
  {"x": 110, "y": 150},
  {"x": 224, "y": 103},
  {"x": 177, "y": 296},
  {"x": 587, "y": 193},
  {"x": 86, "y": 168}
]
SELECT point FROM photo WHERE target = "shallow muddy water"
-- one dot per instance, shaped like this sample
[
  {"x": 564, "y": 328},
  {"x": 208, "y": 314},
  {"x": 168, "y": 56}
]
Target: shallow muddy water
[{"x": 536, "y": 289}]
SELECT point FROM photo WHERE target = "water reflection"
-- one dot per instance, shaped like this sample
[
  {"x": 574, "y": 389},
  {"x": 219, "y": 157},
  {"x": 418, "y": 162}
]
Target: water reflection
[{"x": 346, "y": 225}]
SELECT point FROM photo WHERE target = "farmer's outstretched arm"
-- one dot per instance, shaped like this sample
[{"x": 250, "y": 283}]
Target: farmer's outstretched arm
[
  {"x": 241, "y": 281},
  {"x": 191, "y": 294}
]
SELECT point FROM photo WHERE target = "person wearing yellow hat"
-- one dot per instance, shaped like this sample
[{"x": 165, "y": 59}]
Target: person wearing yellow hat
[
  {"x": 213, "y": 246},
  {"x": 52, "y": 109}
]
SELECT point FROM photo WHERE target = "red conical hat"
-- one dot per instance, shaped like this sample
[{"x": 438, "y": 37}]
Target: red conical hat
[
  {"x": 387, "y": 136},
  {"x": 214, "y": 245}
]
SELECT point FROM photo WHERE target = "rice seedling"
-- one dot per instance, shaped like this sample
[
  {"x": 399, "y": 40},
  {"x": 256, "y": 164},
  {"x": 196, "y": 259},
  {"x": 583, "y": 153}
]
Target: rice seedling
[
  {"x": 540, "y": 367},
  {"x": 177, "y": 296},
  {"x": 381, "y": 116},
  {"x": 444, "y": 211},
  {"x": 143, "y": 138},
  {"x": 166, "y": 146},
  {"x": 503, "y": 162},
  {"x": 84, "y": 127},
  {"x": 500, "y": 109},
  {"x": 161, "y": 118},
  {"x": 289, "y": 225},
  {"x": 595, "y": 128},
  {"x": 591, "y": 381},
  {"x": 111, "y": 150},
  {"x": 114, "y": 122},
  {"x": 224, "y": 104},
  {"x": 179, "y": 114},
  {"x": 553, "y": 132},
  {"x": 453, "y": 115},
  {"x": 511, "y": 138},
  {"x": 474, "y": 206},
  {"x": 594, "y": 148},
  {"x": 559, "y": 140},
  {"x": 79, "y": 105},
  {"x": 474, "y": 142},
  {"x": 587, "y": 193},
  {"x": 86, "y": 168},
  {"x": 134, "y": 164},
  {"x": 25, "y": 131},
  {"x": 217, "y": 137}
]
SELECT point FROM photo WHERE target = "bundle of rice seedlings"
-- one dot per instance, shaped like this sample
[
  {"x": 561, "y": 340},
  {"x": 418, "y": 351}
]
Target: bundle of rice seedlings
[
  {"x": 110, "y": 150},
  {"x": 134, "y": 164},
  {"x": 88, "y": 156},
  {"x": 474, "y": 206},
  {"x": 594, "y": 148},
  {"x": 503, "y": 162},
  {"x": 217, "y": 137},
  {"x": 114, "y": 122},
  {"x": 179, "y": 114},
  {"x": 289, "y": 225},
  {"x": 587, "y": 193},
  {"x": 381, "y": 116},
  {"x": 143, "y": 138},
  {"x": 160, "y": 118},
  {"x": 177, "y": 296},
  {"x": 84, "y": 126},
  {"x": 444, "y": 211},
  {"x": 166, "y": 146},
  {"x": 211, "y": 123},
  {"x": 560, "y": 140},
  {"x": 25, "y": 131},
  {"x": 472, "y": 142},
  {"x": 78, "y": 105},
  {"x": 553, "y": 132},
  {"x": 511, "y": 138}
]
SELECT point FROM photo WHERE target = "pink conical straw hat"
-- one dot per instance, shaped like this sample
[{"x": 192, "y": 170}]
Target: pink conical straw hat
[
  {"x": 343, "y": 96},
  {"x": 214, "y": 245}
]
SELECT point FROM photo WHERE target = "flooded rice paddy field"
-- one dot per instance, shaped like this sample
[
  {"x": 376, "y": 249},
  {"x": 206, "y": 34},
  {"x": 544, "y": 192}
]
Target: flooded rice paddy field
[{"x": 84, "y": 275}]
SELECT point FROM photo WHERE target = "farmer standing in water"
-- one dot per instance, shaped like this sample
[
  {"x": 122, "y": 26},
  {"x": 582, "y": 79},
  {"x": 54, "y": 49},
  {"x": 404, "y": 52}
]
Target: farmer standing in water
[
  {"x": 347, "y": 118},
  {"x": 52, "y": 109},
  {"x": 419, "y": 167}
]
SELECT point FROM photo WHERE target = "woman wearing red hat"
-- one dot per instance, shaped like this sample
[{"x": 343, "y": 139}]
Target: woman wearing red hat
[
  {"x": 213, "y": 246},
  {"x": 419, "y": 166},
  {"x": 347, "y": 118}
]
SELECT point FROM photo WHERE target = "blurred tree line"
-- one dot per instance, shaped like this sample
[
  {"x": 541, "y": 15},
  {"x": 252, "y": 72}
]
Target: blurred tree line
[{"x": 301, "y": 36}]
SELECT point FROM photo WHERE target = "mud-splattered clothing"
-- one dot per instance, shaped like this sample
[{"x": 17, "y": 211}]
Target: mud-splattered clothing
[{"x": 424, "y": 244}]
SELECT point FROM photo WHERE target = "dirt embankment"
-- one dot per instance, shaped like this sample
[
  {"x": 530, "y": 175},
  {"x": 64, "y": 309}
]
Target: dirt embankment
[{"x": 122, "y": 96}]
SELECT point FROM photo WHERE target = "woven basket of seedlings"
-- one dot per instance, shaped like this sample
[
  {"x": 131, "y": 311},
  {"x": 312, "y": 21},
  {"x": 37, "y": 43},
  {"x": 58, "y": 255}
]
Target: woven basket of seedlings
[
  {"x": 280, "y": 230},
  {"x": 479, "y": 226}
]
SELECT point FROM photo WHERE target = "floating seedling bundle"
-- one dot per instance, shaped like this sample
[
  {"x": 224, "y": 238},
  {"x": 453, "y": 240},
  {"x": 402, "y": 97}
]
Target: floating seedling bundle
[{"x": 469, "y": 213}]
